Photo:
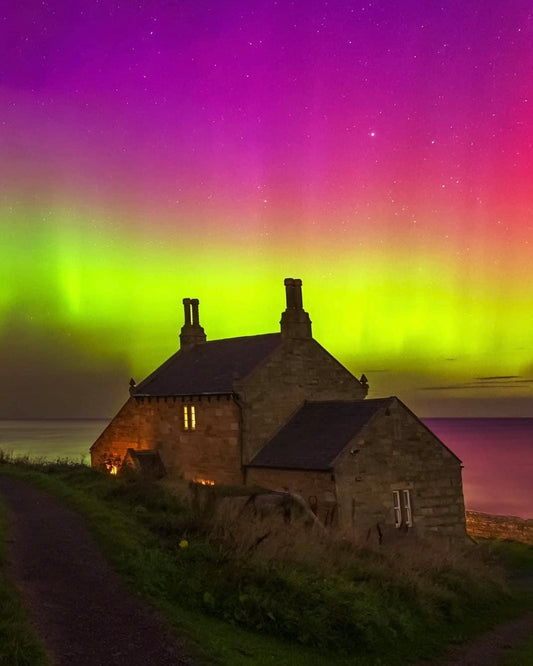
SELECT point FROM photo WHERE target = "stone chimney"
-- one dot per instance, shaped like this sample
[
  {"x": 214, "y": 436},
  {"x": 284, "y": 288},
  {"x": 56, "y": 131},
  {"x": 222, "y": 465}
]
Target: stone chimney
[
  {"x": 191, "y": 331},
  {"x": 295, "y": 322}
]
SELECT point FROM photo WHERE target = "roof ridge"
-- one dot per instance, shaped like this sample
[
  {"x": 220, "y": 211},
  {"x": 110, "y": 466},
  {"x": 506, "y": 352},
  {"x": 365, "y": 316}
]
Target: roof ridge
[
  {"x": 208, "y": 367},
  {"x": 350, "y": 400},
  {"x": 308, "y": 440},
  {"x": 237, "y": 337}
]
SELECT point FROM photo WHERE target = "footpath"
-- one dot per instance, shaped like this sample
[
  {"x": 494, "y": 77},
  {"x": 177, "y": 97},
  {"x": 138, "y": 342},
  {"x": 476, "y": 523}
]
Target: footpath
[
  {"x": 491, "y": 648},
  {"x": 80, "y": 607}
]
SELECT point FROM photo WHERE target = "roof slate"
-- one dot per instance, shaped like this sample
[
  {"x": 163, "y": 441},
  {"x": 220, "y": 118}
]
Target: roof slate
[
  {"x": 317, "y": 433},
  {"x": 210, "y": 367}
]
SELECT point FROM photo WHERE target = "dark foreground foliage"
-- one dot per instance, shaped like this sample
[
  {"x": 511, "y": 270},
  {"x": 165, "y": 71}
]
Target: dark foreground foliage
[{"x": 282, "y": 579}]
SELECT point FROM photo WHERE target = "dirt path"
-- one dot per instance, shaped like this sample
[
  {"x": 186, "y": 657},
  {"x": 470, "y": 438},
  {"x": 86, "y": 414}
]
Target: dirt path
[
  {"x": 79, "y": 605},
  {"x": 491, "y": 648}
]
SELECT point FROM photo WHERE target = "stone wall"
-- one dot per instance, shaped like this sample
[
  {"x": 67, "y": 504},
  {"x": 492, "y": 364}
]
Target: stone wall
[
  {"x": 488, "y": 526},
  {"x": 394, "y": 451},
  {"x": 120, "y": 435},
  {"x": 211, "y": 451},
  {"x": 298, "y": 370},
  {"x": 317, "y": 489}
]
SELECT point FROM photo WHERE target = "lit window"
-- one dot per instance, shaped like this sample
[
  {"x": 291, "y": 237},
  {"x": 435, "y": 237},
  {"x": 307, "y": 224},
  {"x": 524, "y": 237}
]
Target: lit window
[
  {"x": 189, "y": 417},
  {"x": 401, "y": 500}
]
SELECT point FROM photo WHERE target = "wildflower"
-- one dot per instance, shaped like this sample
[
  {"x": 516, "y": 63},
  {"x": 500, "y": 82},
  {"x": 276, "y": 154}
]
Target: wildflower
[{"x": 184, "y": 543}]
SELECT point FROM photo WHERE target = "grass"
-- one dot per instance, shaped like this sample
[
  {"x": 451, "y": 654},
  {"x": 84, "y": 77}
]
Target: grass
[
  {"x": 247, "y": 590},
  {"x": 518, "y": 559},
  {"x": 18, "y": 644}
]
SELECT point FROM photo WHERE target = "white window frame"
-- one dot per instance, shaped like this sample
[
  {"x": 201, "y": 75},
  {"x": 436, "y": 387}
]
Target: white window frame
[
  {"x": 397, "y": 508},
  {"x": 401, "y": 501},
  {"x": 406, "y": 496}
]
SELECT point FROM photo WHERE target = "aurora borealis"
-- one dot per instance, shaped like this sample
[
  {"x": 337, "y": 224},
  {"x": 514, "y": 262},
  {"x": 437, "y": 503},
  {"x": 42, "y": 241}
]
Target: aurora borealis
[{"x": 380, "y": 151}]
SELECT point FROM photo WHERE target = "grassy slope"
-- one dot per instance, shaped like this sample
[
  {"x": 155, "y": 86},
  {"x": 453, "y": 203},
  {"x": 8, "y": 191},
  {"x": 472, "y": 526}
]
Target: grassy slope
[
  {"x": 239, "y": 611},
  {"x": 18, "y": 645},
  {"x": 518, "y": 558}
]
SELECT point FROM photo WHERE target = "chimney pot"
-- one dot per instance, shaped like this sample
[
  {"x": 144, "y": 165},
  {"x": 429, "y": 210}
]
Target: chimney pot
[
  {"x": 195, "y": 314},
  {"x": 298, "y": 303},
  {"x": 187, "y": 311},
  {"x": 289, "y": 292},
  {"x": 295, "y": 322},
  {"x": 191, "y": 332}
]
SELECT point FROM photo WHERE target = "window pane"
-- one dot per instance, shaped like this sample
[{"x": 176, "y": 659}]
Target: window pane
[
  {"x": 397, "y": 509},
  {"x": 406, "y": 500}
]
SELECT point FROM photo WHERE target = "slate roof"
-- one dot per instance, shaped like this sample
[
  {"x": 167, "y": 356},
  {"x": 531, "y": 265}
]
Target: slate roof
[
  {"x": 317, "y": 433},
  {"x": 210, "y": 367}
]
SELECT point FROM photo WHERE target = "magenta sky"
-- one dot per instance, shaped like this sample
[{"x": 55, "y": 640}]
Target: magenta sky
[{"x": 380, "y": 150}]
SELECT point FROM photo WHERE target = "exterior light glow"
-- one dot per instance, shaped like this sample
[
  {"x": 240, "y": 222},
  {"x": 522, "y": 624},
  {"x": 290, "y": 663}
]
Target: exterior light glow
[
  {"x": 204, "y": 482},
  {"x": 112, "y": 467}
]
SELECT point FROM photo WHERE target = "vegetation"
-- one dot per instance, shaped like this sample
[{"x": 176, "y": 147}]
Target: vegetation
[
  {"x": 18, "y": 646},
  {"x": 515, "y": 556},
  {"x": 518, "y": 559},
  {"x": 252, "y": 589}
]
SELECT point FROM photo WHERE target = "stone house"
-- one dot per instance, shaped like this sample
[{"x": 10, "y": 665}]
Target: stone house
[{"x": 279, "y": 412}]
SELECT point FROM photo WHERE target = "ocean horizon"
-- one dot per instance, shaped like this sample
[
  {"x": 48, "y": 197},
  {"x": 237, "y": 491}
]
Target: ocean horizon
[{"x": 497, "y": 453}]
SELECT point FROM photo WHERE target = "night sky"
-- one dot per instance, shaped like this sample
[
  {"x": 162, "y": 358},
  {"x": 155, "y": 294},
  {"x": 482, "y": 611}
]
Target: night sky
[{"x": 381, "y": 151}]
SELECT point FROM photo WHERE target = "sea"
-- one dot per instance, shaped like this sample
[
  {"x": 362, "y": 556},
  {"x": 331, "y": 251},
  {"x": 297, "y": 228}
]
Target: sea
[{"x": 497, "y": 454}]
